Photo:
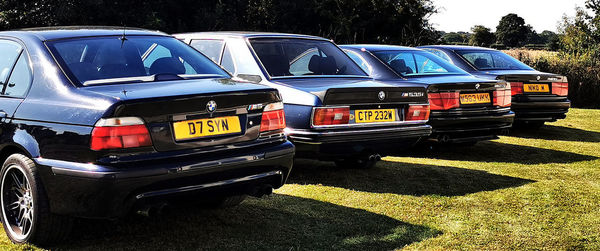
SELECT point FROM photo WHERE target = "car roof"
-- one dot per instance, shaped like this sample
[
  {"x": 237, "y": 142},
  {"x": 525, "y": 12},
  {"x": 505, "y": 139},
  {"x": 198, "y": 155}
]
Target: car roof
[
  {"x": 61, "y": 32},
  {"x": 378, "y": 47},
  {"x": 458, "y": 47},
  {"x": 247, "y": 34}
]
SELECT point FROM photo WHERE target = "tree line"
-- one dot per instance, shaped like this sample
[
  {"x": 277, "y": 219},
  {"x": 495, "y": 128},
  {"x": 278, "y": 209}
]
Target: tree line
[
  {"x": 345, "y": 21},
  {"x": 511, "y": 32}
]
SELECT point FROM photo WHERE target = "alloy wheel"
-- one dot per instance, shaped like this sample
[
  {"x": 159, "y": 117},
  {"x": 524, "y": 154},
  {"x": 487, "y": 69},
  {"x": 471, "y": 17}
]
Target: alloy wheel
[{"x": 17, "y": 202}]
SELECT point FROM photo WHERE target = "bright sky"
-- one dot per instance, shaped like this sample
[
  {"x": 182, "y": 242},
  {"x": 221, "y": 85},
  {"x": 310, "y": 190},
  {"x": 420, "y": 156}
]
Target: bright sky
[{"x": 461, "y": 15}]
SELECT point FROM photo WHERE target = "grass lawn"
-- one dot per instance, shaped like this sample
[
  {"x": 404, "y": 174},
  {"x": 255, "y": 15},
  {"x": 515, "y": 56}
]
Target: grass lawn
[{"x": 536, "y": 189}]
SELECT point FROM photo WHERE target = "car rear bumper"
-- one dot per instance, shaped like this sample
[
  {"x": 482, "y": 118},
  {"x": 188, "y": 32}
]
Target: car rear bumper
[
  {"x": 455, "y": 128},
  {"x": 335, "y": 144},
  {"x": 97, "y": 191},
  {"x": 541, "y": 110}
]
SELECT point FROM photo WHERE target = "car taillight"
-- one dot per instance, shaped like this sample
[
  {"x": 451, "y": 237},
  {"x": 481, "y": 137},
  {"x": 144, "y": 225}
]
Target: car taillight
[
  {"x": 331, "y": 116},
  {"x": 417, "y": 112},
  {"x": 116, "y": 133},
  {"x": 273, "y": 117},
  {"x": 444, "y": 100},
  {"x": 516, "y": 88},
  {"x": 560, "y": 89},
  {"x": 503, "y": 96}
]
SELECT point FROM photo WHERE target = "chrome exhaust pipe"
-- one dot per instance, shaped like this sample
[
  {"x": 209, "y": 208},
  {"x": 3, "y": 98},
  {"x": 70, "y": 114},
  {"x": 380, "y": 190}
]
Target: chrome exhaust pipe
[{"x": 375, "y": 157}]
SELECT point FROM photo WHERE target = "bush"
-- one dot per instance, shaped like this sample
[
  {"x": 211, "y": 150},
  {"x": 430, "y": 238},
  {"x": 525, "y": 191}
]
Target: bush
[{"x": 581, "y": 71}]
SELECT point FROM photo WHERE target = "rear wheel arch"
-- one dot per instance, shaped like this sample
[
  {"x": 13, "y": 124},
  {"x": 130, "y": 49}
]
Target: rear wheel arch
[{"x": 10, "y": 149}]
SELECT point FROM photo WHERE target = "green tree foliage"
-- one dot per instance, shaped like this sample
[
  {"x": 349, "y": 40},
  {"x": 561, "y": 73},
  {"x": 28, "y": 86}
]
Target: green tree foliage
[
  {"x": 512, "y": 31},
  {"x": 346, "y": 21},
  {"x": 456, "y": 38},
  {"x": 482, "y": 36},
  {"x": 579, "y": 55}
]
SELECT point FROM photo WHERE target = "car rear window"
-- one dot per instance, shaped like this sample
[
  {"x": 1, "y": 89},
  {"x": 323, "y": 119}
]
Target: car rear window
[
  {"x": 114, "y": 57},
  {"x": 416, "y": 63},
  {"x": 493, "y": 60},
  {"x": 303, "y": 57}
]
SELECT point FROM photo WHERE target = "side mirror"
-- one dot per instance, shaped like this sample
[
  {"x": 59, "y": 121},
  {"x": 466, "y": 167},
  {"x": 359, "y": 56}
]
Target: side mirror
[{"x": 249, "y": 77}]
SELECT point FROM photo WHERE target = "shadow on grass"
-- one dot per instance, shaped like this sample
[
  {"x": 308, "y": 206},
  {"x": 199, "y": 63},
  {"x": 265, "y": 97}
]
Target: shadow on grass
[
  {"x": 551, "y": 132},
  {"x": 490, "y": 151},
  {"x": 279, "y": 222},
  {"x": 403, "y": 178}
]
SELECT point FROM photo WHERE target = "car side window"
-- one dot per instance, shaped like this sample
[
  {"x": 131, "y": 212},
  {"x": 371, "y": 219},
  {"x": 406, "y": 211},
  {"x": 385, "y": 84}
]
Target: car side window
[
  {"x": 227, "y": 60},
  {"x": 20, "y": 78},
  {"x": 211, "y": 48},
  {"x": 359, "y": 60},
  {"x": 10, "y": 52}
]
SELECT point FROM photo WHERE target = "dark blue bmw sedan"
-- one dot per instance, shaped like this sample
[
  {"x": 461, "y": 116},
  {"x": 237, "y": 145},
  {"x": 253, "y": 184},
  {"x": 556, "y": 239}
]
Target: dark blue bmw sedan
[
  {"x": 99, "y": 121},
  {"x": 334, "y": 110},
  {"x": 464, "y": 109},
  {"x": 537, "y": 97}
]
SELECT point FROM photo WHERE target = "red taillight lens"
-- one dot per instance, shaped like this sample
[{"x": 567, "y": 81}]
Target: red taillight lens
[
  {"x": 417, "y": 112},
  {"x": 444, "y": 100},
  {"x": 115, "y": 137},
  {"x": 516, "y": 88},
  {"x": 272, "y": 120},
  {"x": 503, "y": 96},
  {"x": 331, "y": 116},
  {"x": 273, "y": 117},
  {"x": 560, "y": 89}
]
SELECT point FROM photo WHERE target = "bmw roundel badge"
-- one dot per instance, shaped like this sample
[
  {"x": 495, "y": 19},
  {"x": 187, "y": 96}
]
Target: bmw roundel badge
[
  {"x": 381, "y": 95},
  {"x": 211, "y": 106}
]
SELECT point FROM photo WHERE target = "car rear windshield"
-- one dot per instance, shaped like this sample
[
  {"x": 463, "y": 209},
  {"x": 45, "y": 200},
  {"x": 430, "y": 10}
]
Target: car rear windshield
[
  {"x": 493, "y": 60},
  {"x": 416, "y": 63},
  {"x": 303, "y": 57},
  {"x": 122, "y": 59}
]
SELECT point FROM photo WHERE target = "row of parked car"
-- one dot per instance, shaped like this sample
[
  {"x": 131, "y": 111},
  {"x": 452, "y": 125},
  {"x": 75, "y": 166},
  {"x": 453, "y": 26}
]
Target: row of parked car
[{"x": 97, "y": 122}]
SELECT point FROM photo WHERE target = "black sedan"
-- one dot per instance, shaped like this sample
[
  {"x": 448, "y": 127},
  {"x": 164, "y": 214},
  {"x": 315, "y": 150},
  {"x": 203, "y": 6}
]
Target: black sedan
[
  {"x": 99, "y": 121},
  {"x": 537, "y": 97},
  {"x": 464, "y": 109}
]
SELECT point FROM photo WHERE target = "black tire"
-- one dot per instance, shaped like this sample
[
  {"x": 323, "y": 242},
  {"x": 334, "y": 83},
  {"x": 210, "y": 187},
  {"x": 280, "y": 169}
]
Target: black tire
[
  {"x": 227, "y": 201},
  {"x": 361, "y": 163},
  {"x": 19, "y": 175}
]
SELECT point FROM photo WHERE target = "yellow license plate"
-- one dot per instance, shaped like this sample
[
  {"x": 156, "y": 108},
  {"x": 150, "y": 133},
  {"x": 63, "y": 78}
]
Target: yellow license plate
[
  {"x": 198, "y": 128},
  {"x": 475, "y": 98},
  {"x": 374, "y": 115},
  {"x": 536, "y": 88}
]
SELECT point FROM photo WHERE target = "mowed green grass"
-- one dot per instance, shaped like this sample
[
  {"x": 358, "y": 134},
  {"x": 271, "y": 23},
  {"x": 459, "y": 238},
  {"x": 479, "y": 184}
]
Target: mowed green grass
[{"x": 537, "y": 189}]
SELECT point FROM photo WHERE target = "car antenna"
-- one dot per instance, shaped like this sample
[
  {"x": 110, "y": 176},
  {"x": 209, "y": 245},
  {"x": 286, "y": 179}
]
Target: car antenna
[{"x": 123, "y": 38}]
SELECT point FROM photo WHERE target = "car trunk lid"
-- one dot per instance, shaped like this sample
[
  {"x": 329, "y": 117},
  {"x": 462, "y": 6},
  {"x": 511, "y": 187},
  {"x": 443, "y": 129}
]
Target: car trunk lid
[{"x": 192, "y": 114}]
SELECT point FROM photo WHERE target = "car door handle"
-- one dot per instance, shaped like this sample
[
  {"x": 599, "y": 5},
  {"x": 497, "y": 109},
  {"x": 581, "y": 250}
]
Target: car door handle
[{"x": 3, "y": 114}]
